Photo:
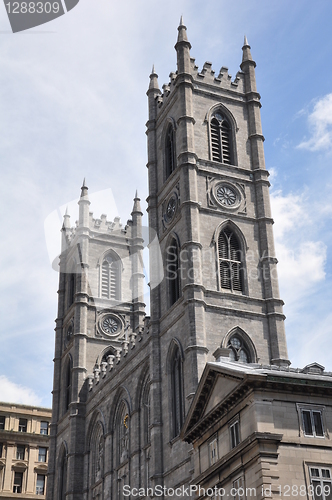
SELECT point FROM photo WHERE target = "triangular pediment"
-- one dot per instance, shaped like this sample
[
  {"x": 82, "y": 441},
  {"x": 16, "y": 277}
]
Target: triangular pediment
[
  {"x": 222, "y": 387},
  {"x": 219, "y": 383}
]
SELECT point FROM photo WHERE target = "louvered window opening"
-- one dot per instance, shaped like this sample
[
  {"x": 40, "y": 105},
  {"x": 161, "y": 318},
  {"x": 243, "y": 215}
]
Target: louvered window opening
[
  {"x": 230, "y": 266},
  {"x": 173, "y": 273},
  {"x": 220, "y": 140},
  {"x": 110, "y": 279},
  {"x": 170, "y": 151}
]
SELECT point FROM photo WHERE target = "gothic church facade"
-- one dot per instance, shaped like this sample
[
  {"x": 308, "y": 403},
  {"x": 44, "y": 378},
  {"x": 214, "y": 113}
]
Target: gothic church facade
[{"x": 124, "y": 382}]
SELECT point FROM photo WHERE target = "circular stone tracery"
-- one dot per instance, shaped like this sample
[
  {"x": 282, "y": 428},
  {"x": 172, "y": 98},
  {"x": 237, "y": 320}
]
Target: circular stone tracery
[
  {"x": 226, "y": 196},
  {"x": 170, "y": 208},
  {"x": 110, "y": 325}
]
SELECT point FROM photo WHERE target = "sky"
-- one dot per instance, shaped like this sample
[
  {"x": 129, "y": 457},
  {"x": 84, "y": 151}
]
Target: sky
[{"x": 73, "y": 105}]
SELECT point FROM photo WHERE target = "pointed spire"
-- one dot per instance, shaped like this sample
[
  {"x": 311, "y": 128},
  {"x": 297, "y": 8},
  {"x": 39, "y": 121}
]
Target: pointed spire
[
  {"x": 137, "y": 205},
  {"x": 182, "y": 36},
  {"x": 153, "y": 80},
  {"x": 246, "y": 52}
]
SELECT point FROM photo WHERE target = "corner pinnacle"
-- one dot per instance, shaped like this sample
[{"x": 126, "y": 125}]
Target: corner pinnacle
[
  {"x": 137, "y": 205},
  {"x": 154, "y": 85},
  {"x": 246, "y": 56}
]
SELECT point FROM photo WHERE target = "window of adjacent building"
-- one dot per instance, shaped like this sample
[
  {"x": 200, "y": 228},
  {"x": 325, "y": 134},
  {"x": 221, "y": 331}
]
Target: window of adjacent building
[
  {"x": 42, "y": 454},
  {"x": 238, "y": 492},
  {"x": 1, "y": 449},
  {"x": 321, "y": 483},
  {"x": 44, "y": 428},
  {"x": 230, "y": 261},
  {"x": 110, "y": 278},
  {"x": 2, "y": 422},
  {"x": 220, "y": 139},
  {"x": 40, "y": 485},
  {"x": 22, "y": 425},
  {"x": 312, "y": 423},
  {"x": 235, "y": 433},
  {"x": 20, "y": 452},
  {"x": 213, "y": 451},
  {"x": 18, "y": 481}
]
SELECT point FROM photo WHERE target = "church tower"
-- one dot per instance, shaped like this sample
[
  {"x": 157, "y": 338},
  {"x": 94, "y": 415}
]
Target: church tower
[
  {"x": 209, "y": 205},
  {"x": 124, "y": 382},
  {"x": 100, "y": 313}
]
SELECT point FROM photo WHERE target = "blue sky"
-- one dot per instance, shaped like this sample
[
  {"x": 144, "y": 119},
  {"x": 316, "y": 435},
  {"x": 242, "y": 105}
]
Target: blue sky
[{"x": 73, "y": 105}]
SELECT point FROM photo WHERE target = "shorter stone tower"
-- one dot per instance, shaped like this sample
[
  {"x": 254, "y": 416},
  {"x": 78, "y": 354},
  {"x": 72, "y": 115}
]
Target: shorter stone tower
[{"x": 100, "y": 313}]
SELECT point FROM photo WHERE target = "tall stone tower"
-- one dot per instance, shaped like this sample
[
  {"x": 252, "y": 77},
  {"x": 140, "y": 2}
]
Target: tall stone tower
[
  {"x": 209, "y": 204},
  {"x": 123, "y": 382}
]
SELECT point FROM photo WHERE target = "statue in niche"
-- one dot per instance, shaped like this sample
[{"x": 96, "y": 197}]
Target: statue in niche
[
  {"x": 99, "y": 459},
  {"x": 124, "y": 438}
]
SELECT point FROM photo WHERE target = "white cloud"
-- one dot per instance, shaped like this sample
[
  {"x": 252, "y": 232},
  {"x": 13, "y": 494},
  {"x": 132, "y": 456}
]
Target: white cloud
[
  {"x": 320, "y": 122},
  {"x": 16, "y": 393},
  {"x": 301, "y": 257}
]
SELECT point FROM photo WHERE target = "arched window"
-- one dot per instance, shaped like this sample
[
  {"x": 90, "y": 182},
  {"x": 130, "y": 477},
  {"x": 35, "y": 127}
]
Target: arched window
[
  {"x": 170, "y": 151},
  {"x": 111, "y": 277},
  {"x": 146, "y": 432},
  {"x": 230, "y": 261},
  {"x": 97, "y": 444},
  {"x": 63, "y": 476},
  {"x": 220, "y": 139},
  {"x": 146, "y": 402},
  {"x": 177, "y": 391},
  {"x": 173, "y": 272},
  {"x": 68, "y": 382},
  {"x": 239, "y": 350}
]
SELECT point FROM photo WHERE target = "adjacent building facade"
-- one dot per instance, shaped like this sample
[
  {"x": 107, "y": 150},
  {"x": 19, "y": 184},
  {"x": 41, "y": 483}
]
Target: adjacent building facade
[
  {"x": 24, "y": 450},
  {"x": 124, "y": 382},
  {"x": 262, "y": 432}
]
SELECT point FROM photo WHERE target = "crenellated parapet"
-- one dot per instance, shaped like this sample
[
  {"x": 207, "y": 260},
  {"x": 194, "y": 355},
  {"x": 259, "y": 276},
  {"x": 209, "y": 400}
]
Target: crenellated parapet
[{"x": 207, "y": 76}]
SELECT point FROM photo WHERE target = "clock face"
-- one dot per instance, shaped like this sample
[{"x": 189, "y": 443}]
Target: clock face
[
  {"x": 110, "y": 325},
  {"x": 226, "y": 196},
  {"x": 171, "y": 208}
]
